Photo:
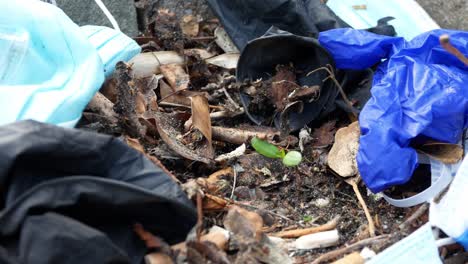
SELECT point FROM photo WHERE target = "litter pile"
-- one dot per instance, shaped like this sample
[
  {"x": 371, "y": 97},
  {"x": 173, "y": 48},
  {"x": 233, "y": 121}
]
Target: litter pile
[{"x": 244, "y": 139}]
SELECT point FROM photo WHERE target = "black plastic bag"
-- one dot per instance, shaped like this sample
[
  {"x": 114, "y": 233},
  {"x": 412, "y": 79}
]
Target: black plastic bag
[
  {"x": 245, "y": 20},
  {"x": 71, "y": 196}
]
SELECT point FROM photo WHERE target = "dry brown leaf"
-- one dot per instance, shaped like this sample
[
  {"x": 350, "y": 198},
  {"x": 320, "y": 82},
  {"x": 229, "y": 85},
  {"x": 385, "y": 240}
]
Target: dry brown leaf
[
  {"x": 201, "y": 121},
  {"x": 135, "y": 144},
  {"x": 109, "y": 89},
  {"x": 283, "y": 83},
  {"x": 158, "y": 258},
  {"x": 323, "y": 136},
  {"x": 189, "y": 25},
  {"x": 243, "y": 223},
  {"x": 170, "y": 136},
  {"x": 220, "y": 239},
  {"x": 353, "y": 258},
  {"x": 213, "y": 203},
  {"x": 226, "y": 60},
  {"x": 176, "y": 76},
  {"x": 213, "y": 184},
  {"x": 168, "y": 96},
  {"x": 342, "y": 156},
  {"x": 224, "y": 41},
  {"x": 443, "y": 152}
]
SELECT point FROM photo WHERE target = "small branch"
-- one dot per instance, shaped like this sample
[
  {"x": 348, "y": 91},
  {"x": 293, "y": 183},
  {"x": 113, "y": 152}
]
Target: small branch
[
  {"x": 421, "y": 210},
  {"x": 306, "y": 231},
  {"x": 364, "y": 206},
  {"x": 339, "y": 252},
  {"x": 234, "y": 183},
  {"x": 230, "y": 98},
  {"x": 445, "y": 43},
  {"x": 199, "y": 216},
  {"x": 329, "y": 70}
]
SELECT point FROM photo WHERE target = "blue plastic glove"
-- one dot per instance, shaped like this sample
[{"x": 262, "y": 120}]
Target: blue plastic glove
[{"x": 420, "y": 89}]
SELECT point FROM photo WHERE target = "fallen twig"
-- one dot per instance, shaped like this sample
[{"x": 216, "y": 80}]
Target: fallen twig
[
  {"x": 199, "y": 216},
  {"x": 234, "y": 183},
  {"x": 126, "y": 102},
  {"x": 329, "y": 70},
  {"x": 240, "y": 136},
  {"x": 353, "y": 183},
  {"x": 306, "y": 231},
  {"x": 339, "y": 252},
  {"x": 445, "y": 43},
  {"x": 418, "y": 213}
]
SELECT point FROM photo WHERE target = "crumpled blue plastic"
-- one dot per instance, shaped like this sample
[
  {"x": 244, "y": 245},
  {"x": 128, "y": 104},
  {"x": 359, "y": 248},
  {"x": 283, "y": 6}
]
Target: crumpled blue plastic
[{"x": 419, "y": 89}]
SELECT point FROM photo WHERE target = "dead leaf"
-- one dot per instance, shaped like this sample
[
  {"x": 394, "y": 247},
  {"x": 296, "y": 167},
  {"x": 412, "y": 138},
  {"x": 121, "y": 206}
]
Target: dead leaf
[
  {"x": 323, "y": 136},
  {"x": 176, "y": 76},
  {"x": 226, "y": 60},
  {"x": 201, "y": 121},
  {"x": 168, "y": 95},
  {"x": 244, "y": 224},
  {"x": 135, "y": 144},
  {"x": 213, "y": 184},
  {"x": 189, "y": 25},
  {"x": 283, "y": 83},
  {"x": 224, "y": 41},
  {"x": 170, "y": 135},
  {"x": 342, "y": 156},
  {"x": 443, "y": 152},
  {"x": 158, "y": 258},
  {"x": 213, "y": 203}
]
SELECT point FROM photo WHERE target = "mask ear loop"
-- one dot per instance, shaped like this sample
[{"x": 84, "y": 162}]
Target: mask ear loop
[{"x": 106, "y": 12}]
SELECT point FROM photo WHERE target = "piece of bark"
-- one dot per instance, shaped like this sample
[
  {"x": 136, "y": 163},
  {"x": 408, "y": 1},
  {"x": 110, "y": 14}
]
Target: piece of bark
[
  {"x": 149, "y": 63},
  {"x": 127, "y": 93},
  {"x": 176, "y": 76},
  {"x": 201, "y": 121},
  {"x": 103, "y": 106},
  {"x": 170, "y": 135},
  {"x": 240, "y": 136},
  {"x": 306, "y": 231}
]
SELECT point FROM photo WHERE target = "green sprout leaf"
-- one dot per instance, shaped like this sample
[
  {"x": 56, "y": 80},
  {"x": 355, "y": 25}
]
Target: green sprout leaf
[
  {"x": 293, "y": 158},
  {"x": 267, "y": 149},
  {"x": 307, "y": 218}
]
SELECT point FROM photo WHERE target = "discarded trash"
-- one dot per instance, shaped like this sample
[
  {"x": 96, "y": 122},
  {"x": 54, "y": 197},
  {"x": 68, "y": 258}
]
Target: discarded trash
[
  {"x": 260, "y": 60},
  {"x": 418, "y": 248},
  {"x": 44, "y": 63},
  {"x": 362, "y": 14},
  {"x": 394, "y": 115},
  {"x": 318, "y": 240},
  {"x": 75, "y": 184},
  {"x": 247, "y": 20},
  {"x": 446, "y": 212}
]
